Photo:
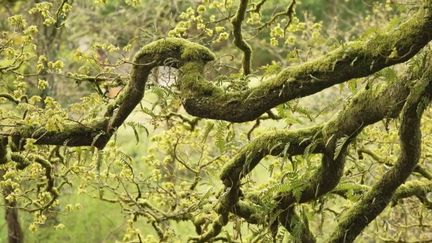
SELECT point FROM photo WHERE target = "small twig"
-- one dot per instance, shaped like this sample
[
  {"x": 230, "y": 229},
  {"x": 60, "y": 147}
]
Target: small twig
[
  {"x": 9, "y": 97},
  {"x": 258, "y": 7},
  {"x": 289, "y": 12}
]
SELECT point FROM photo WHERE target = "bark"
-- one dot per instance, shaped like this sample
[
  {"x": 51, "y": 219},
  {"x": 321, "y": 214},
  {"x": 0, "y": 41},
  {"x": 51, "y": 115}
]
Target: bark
[
  {"x": 373, "y": 203},
  {"x": 202, "y": 98},
  {"x": 367, "y": 107},
  {"x": 15, "y": 234}
]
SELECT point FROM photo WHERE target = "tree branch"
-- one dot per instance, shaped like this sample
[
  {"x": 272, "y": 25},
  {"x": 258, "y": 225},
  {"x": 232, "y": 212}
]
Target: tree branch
[
  {"x": 367, "y": 107},
  {"x": 419, "y": 169},
  {"x": 238, "y": 37},
  {"x": 372, "y": 204},
  {"x": 351, "y": 60},
  {"x": 417, "y": 188},
  {"x": 203, "y": 99}
]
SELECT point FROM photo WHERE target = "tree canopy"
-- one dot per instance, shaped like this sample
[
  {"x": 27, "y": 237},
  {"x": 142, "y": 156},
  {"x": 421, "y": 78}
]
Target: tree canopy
[{"x": 216, "y": 120}]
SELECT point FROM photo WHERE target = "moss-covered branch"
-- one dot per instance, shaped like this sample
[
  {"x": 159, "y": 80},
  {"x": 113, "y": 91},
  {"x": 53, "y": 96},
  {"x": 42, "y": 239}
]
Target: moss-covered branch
[
  {"x": 351, "y": 60},
  {"x": 71, "y": 135},
  {"x": 372, "y": 204},
  {"x": 99, "y": 132},
  {"x": 367, "y": 107},
  {"x": 202, "y": 98},
  {"x": 415, "y": 188}
]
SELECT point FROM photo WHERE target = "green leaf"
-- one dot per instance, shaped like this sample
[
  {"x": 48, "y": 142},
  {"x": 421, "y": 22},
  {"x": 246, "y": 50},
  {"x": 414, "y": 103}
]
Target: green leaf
[{"x": 340, "y": 145}]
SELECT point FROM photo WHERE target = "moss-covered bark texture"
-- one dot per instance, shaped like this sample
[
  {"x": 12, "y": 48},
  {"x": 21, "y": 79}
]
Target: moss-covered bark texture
[{"x": 202, "y": 98}]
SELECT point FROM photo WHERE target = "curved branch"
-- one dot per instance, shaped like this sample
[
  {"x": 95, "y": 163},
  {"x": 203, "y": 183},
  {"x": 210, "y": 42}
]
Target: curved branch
[
  {"x": 238, "y": 37},
  {"x": 98, "y": 133},
  {"x": 9, "y": 97},
  {"x": 72, "y": 135},
  {"x": 372, "y": 204},
  {"x": 23, "y": 162},
  {"x": 367, "y": 107},
  {"x": 203, "y": 99},
  {"x": 352, "y": 60},
  {"x": 289, "y": 12}
]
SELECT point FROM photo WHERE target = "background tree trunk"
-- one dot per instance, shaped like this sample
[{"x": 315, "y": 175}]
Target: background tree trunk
[{"x": 15, "y": 234}]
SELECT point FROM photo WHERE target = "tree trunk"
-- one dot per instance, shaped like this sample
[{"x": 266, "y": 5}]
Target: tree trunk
[{"x": 15, "y": 234}]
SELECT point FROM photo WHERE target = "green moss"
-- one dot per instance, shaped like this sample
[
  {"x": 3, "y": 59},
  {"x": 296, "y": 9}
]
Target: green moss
[
  {"x": 192, "y": 51},
  {"x": 176, "y": 48},
  {"x": 272, "y": 143},
  {"x": 193, "y": 84},
  {"x": 418, "y": 187}
]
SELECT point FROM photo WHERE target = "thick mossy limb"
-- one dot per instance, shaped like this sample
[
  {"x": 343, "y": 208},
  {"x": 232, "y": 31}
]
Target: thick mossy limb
[
  {"x": 364, "y": 109},
  {"x": 367, "y": 107},
  {"x": 99, "y": 132},
  {"x": 277, "y": 143},
  {"x": 413, "y": 188},
  {"x": 250, "y": 212},
  {"x": 322, "y": 181},
  {"x": 351, "y": 60},
  {"x": 225, "y": 204},
  {"x": 371, "y": 205},
  {"x": 419, "y": 188},
  {"x": 73, "y": 134},
  {"x": 174, "y": 52}
]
